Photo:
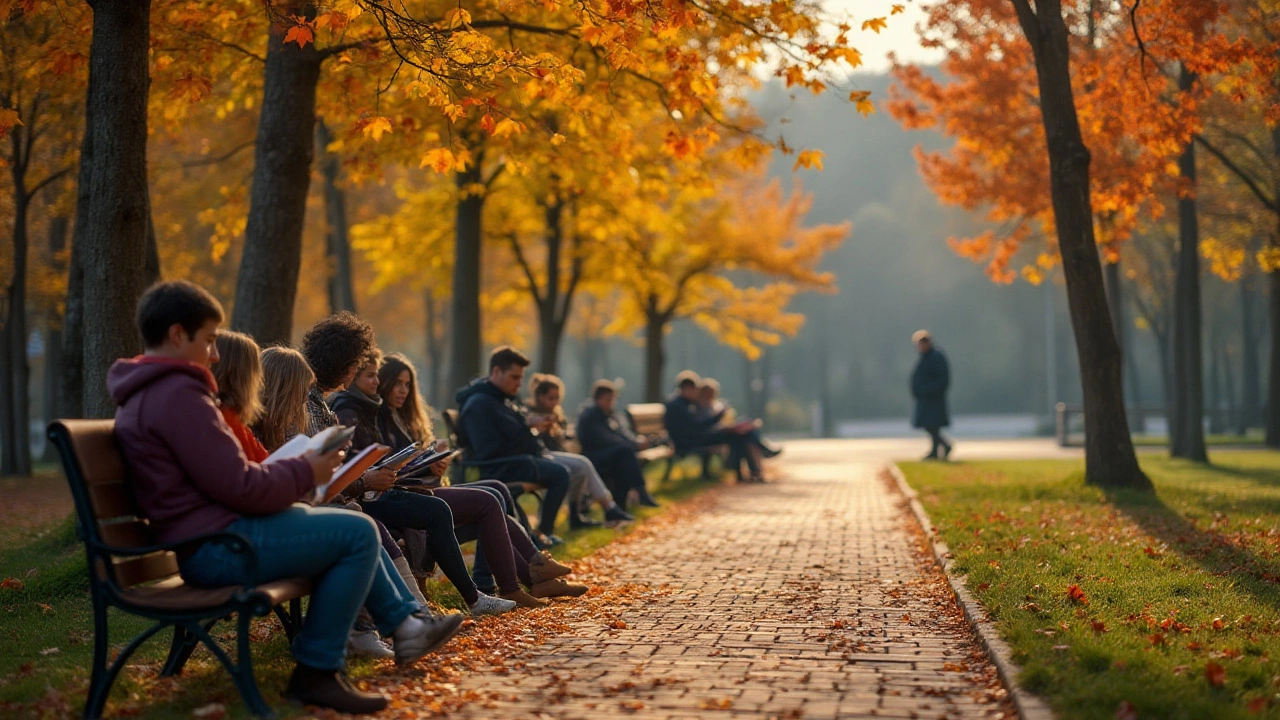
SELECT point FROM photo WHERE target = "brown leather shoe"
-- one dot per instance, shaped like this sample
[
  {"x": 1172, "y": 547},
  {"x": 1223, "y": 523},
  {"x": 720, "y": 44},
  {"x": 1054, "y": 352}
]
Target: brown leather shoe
[
  {"x": 544, "y": 567},
  {"x": 557, "y": 587},
  {"x": 328, "y": 689},
  {"x": 524, "y": 599}
]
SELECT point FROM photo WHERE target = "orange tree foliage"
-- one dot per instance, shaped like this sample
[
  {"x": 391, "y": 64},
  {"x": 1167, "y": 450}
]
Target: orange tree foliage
[{"x": 1134, "y": 121}]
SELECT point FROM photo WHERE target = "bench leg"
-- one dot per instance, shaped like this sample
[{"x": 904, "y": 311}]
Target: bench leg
[
  {"x": 671, "y": 465},
  {"x": 291, "y": 619},
  {"x": 99, "y": 687},
  {"x": 243, "y": 674},
  {"x": 184, "y": 643}
]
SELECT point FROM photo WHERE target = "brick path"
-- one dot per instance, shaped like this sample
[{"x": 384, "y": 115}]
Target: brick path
[{"x": 804, "y": 598}]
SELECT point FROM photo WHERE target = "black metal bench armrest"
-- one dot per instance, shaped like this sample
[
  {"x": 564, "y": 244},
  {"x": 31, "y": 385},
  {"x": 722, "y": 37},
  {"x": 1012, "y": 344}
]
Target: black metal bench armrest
[{"x": 235, "y": 542}]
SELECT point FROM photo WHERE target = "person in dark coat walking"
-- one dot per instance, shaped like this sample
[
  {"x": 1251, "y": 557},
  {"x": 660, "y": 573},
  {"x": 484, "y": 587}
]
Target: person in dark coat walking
[{"x": 929, "y": 384}]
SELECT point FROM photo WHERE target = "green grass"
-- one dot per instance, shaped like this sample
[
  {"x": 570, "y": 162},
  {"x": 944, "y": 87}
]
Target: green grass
[
  {"x": 52, "y": 610},
  {"x": 1217, "y": 440},
  {"x": 1172, "y": 583}
]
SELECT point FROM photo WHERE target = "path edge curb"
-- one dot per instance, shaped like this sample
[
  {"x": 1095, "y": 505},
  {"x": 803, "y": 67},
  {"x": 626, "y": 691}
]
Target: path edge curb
[{"x": 1029, "y": 706}]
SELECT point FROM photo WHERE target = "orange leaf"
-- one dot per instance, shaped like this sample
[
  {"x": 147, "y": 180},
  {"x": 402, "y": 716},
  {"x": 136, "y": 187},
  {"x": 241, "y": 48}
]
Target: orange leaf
[
  {"x": 11, "y": 584},
  {"x": 1215, "y": 674},
  {"x": 1156, "y": 639},
  {"x": 1259, "y": 704},
  {"x": 1218, "y": 624},
  {"x": 300, "y": 34},
  {"x": 1098, "y": 626},
  {"x": 1077, "y": 595}
]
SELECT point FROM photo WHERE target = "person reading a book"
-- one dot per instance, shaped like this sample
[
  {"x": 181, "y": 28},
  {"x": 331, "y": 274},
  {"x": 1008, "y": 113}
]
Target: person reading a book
[
  {"x": 238, "y": 375},
  {"x": 334, "y": 348},
  {"x": 359, "y": 406},
  {"x": 496, "y": 427},
  {"x": 607, "y": 440},
  {"x": 287, "y": 380},
  {"x": 192, "y": 478},
  {"x": 710, "y": 404},
  {"x": 546, "y": 417},
  {"x": 480, "y": 514},
  {"x": 692, "y": 431}
]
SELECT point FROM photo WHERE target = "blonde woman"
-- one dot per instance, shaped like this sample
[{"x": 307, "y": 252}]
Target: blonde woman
[
  {"x": 286, "y": 379},
  {"x": 238, "y": 373}
]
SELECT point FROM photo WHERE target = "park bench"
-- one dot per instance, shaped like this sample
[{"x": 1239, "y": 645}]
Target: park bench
[
  {"x": 649, "y": 419},
  {"x": 471, "y": 469},
  {"x": 130, "y": 571}
]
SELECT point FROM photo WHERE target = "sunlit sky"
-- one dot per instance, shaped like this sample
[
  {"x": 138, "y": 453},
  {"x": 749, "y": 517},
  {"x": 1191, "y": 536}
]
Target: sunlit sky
[{"x": 899, "y": 37}]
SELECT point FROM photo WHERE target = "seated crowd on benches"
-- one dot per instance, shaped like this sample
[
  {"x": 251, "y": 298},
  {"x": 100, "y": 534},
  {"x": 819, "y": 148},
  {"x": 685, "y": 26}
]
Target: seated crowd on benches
[{"x": 200, "y": 411}]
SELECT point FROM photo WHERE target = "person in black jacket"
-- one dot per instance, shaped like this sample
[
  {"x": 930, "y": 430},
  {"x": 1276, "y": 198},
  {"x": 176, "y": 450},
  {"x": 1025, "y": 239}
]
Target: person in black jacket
[
  {"x": 929, "y": 384},
  {"x": 609, "y": 443},
  {"x": 690, "y": 431}
]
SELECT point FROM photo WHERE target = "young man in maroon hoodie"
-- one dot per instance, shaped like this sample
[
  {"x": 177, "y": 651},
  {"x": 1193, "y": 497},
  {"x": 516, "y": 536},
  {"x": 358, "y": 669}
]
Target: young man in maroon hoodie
[{"x": 192, "y": 478}]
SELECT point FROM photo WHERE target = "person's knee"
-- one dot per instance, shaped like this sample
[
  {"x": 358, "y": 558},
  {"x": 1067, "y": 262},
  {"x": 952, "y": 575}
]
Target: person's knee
[{"x": 359, "y": 531}]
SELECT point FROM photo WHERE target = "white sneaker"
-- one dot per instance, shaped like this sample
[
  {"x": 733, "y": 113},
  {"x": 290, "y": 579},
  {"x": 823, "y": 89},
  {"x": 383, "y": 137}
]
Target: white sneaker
[
  {"x": 367, "y": 643},
  {"x": 490, "y": 605}
]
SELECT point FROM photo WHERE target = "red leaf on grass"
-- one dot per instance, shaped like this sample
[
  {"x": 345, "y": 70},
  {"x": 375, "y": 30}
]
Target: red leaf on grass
[
  {"x": 1215, "y": 674},
  {"x": 1075, "y": 594},
  {"x": 1218, "y": 623},
  {"x": 1126, "y": 711},
  {"x": 1156, "y": 639},
  {"x": 1098, "y": 626},
  {"x": 1259, "y": 704},
  {"x": 11, "y": 584}
]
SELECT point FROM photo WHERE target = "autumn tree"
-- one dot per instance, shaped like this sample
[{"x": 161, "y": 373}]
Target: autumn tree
[
  {"x": 38, "y": 151},
  {"x": 729, "y": 261}
]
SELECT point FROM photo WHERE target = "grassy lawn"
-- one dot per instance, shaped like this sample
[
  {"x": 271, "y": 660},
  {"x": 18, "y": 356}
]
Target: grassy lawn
[
  {"x": 1251, "y": 439},
  {"x": 1169, "y": 603},
  {"x": 46, "y": 625}
]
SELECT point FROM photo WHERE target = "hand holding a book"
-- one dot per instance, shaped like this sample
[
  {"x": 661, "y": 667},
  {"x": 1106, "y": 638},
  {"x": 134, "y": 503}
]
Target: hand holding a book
[
  {"x": 323, "y": 465},
  {"x": 379, "y": 479}
]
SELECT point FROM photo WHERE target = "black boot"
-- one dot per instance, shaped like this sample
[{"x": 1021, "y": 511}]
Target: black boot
[
  {"x": 646, "y": 500},
  {"x": 329, "y": 689}
]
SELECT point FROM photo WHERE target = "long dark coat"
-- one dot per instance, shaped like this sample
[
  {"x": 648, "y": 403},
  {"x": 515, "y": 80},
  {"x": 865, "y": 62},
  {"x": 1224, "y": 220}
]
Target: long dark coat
[{"x": 929, "y": 384}]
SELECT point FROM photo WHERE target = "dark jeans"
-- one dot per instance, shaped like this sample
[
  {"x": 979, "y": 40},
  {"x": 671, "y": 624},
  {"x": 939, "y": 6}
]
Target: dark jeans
[
  {"x": 739, "y": 449},
  {"x": 518, "y": 530},
  {"x": 935, "y": 434},
  {"x": 479, "y": 515},
  {"x": 402, "y": 509},
  {"x": 537, "y": 471},
  {"x": 338, "y": 549},
  {"x": 621, "y": 470}
]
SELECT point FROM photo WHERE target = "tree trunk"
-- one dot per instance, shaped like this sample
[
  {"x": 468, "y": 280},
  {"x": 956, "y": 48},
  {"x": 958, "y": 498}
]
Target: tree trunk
[
  {"x": 1250, "y": 385},
  {"x": 1272, "y": 438},
  {"x": 1187, "y": 438},
  {"x": 550, "y": 318},
  {"x": 8, "y": 429},
  {"x": 464, "y": 360},
  {"x": 115, "y": 239},
  {"x": 151, "y": 269},
  {"x": 268, "y": 281},
  {"x": 589, "y": 360},
  {"x": 71, "y": 383},
  {"x": 59, "y": 225},
  {"x": 342, "y": 294},
  {"x": 654, "y": 357},
  {"x": 1115, "y": 303},
  {"x": 1109, "y": 457},
  {"x": 435, "y": 352}
]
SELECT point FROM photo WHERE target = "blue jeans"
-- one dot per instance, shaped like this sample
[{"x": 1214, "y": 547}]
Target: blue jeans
[{"x": 338, "y": 550}]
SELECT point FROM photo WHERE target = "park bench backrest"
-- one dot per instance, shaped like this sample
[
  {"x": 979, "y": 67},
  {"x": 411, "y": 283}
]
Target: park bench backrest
[
  {"x": 451, "y": 426},
  {"x": 647, "y": 418},
  {"x": 106, "y": 507}
]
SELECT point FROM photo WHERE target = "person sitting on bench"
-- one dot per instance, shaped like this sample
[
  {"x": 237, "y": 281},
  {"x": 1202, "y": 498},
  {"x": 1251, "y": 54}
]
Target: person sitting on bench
[
  {"x": 609, "y": 443},
  {"x": 192, "y": 478},
  {"x": 710, "y": 404},
  {"x": 691, "y": 433}
]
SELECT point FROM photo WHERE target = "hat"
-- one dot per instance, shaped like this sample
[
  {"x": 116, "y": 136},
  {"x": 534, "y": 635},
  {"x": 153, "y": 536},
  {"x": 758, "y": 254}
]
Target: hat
[
  {"x": 919, "y": 335},
  {"x": 687, "y": 376},
  {"x": 601, "y": 386}
]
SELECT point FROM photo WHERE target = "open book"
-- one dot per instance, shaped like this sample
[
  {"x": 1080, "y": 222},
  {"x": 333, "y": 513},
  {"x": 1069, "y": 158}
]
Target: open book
[{"x": 326, "y": 441}]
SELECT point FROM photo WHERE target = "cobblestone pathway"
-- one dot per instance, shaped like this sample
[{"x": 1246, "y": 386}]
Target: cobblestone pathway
[{"x": 803, "y": 598}]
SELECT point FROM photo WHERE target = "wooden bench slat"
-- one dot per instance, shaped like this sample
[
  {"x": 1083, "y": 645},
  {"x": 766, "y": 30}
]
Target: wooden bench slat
[
  {"x": 113, "y": 500},
  {"x": 144, "y": 569},
  {"x": 130, "y": 534}
]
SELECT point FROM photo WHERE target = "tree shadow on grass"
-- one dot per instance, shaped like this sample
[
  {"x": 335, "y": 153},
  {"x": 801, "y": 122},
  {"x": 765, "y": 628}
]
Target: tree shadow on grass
[{"x": 1224, "y": 554}]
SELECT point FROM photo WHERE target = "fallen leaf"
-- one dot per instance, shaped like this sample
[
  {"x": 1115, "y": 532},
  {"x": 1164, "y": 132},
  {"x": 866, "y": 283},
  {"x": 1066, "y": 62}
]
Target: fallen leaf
[
  {"x": 1215, "y": 674},
  {"x": 1098, "y": 626},
  {"x": 1126, "y": 711},
  {"x": 1075, "y": 594},
  {"x": 983, "y": 586},
  {"x": 1156, "y": 639},
  {"x": 1259, "y": 704},
  {"x": 1218, "y": 624},
  {"x": 11, "y": 584}
]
